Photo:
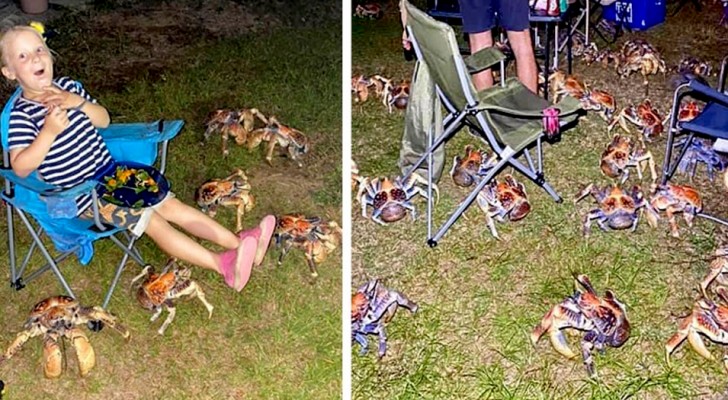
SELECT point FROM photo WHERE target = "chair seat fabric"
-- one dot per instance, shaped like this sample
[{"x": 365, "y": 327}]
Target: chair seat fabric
[{"x": 514, "y": 113}]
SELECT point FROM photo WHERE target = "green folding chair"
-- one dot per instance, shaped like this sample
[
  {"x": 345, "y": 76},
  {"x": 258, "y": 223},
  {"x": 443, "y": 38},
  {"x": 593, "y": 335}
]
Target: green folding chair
[{"x": 508, "y": 117}]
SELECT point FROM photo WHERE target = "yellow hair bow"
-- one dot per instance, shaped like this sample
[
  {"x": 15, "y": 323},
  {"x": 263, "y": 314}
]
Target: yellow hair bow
[{"x": 39, "y": 27}]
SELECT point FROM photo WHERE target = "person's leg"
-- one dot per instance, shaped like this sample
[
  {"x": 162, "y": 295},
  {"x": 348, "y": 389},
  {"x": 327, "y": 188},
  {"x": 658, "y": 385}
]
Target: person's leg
[
  {"x": 478, "y": 20},
  {"x": 197, "y": 223},
  {"x": 514, "y": 19},
  {"x": 235, "y": 265},
  {"x": 478, "y": 41},
  {"x": 525, "y": 59}
]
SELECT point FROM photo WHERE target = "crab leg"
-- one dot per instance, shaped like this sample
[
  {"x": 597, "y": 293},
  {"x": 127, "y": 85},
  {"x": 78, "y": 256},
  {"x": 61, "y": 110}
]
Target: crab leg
[
  {"x": 594, "y": 214},
  {"x": 362, "y": 340},
  {"x": 671, "y": 211},
  {"x": 286, "y": 247},
  {"x": 225, "y": 135},
  {"x": 156, "y": 314},
  {"x": 19, "y": 341},
  {"x": 271, "y": 147},
  {"x": 98, "y": 313},
  {"x": 587, "y": 346},
  {"x": 310, "y": 260},
  {"x": 419, "y": 179},
  {"x": 172, "y": 310}
]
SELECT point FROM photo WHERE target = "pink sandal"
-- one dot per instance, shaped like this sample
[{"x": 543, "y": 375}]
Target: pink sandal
[
  {"x": 262, "y": 234},
  {"x": 236, "y": 264}
]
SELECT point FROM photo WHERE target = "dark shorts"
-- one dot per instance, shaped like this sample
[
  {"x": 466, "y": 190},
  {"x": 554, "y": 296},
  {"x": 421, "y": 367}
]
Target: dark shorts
[{"x": 483, "y": 15}]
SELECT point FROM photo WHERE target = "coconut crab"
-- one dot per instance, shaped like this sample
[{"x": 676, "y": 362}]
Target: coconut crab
[
  {"x": 644, "y": 116},
  {"x": 391, "y": 198},
  {"x": 707, "y": 318},
  {"x": 695, "y": 66},
  {"x": 372, "y": 307},
  {"x": 718, "y": 271},
  {"x": 235, "y": 123},
  {"x": 360, "y": 88},
  {"x": 501, "y": 200},
  {"x": 673, "y": 199},
  {"x": 618, "y": 209},
  {"x": 369, "y": 10},
  {"x": 396, "y": 96},
  {"x": 158, "y": 292},
  {"x": 275, "y": 133},
  {"x": 561, "y": 84},
  {"x": 465, "y": 170},
  {"x": 600, "y": 101},
  {"x": 603, "y": 318},
  {"x": 620, "y": 154},
  {"x": 58, "y": 317},
  {"x": 639, "y": 55},
  {"x": 687, "y": 112},
  {"x": 700, "y": 150},
  {"x": 315, "y": 238},
  {"x": 231, "y": 191}
]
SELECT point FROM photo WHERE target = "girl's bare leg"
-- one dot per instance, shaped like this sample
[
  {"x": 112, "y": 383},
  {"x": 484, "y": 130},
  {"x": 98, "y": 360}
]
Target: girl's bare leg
[
  {"x": 177, "y": 244},
  {"x": 197, "y": 223}
]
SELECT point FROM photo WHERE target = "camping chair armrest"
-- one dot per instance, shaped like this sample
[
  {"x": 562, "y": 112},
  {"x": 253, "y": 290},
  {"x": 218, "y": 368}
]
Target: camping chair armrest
[
  {"x": 34, "y": 184},
  {"x": 158, "y": 131},
  {"x": 483, "y": 59},
  {"x": 708, "y": 91}
]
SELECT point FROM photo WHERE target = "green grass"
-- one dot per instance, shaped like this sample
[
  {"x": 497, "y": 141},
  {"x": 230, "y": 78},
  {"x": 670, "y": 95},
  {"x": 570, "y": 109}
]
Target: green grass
[
  {"x": 280, "y": 338},
  {"x": 479, "y": 298}
]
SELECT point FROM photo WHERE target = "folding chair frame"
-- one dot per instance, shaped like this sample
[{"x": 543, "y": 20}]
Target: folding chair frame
[
  {"x": 126, "y": 243},
  {"x": 456, "y": 120},
  {"x": 691, "y": 88}
]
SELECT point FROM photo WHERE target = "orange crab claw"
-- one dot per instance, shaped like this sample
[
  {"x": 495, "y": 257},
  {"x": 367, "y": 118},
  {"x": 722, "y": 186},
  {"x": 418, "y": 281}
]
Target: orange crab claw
[{"x": 551, "y": 323}]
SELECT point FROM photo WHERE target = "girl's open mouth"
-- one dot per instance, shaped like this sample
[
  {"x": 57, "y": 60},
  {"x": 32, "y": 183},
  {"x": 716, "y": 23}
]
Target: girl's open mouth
[{"x": 39, "y": 72}]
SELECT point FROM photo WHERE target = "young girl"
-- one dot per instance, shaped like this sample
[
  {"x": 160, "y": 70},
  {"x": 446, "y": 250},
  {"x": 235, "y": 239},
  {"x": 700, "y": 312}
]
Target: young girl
[{"x": 53, "y": 130}]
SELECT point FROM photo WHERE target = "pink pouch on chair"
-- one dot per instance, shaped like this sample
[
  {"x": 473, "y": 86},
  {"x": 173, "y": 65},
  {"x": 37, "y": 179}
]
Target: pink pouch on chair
[{"x": 551, "y": 122}]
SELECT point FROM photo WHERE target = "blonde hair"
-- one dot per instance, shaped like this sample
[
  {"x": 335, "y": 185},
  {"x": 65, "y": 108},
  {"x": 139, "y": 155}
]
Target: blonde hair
[{"x": 9, "y": 32}]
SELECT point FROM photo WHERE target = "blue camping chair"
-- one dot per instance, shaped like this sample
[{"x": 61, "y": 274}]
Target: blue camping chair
[
  {"x": 138, "y": 142},
  {"x": 711, "y": 123}
]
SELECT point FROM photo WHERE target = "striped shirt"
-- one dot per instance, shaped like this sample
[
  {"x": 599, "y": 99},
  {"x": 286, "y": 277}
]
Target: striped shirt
[{"x": 75, "y": 156}]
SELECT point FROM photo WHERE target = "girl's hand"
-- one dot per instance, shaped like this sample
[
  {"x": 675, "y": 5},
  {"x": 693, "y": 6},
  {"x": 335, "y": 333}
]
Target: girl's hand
[
  {"x": 56, "y": 121},
  {"x": 61, "y": 98}
]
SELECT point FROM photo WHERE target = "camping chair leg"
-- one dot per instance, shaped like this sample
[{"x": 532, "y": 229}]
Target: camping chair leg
[
  {"x": 670, "y": 167},
  {"x": 129, "y": 238},
  {"x": 47, "y": 255},
  {"x": 505, "y": 157},
  {"x": 452, "y": 128},
  {"x": 43, "y": 269},
  {"x": 129, "y": 251},
  {"x": 11, "y": 243},
  {"x": 528, "y": 158}
]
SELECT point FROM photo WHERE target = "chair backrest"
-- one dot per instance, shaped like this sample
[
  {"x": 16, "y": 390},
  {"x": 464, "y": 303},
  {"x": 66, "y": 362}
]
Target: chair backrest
[{"x": 436, "y": 45}]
